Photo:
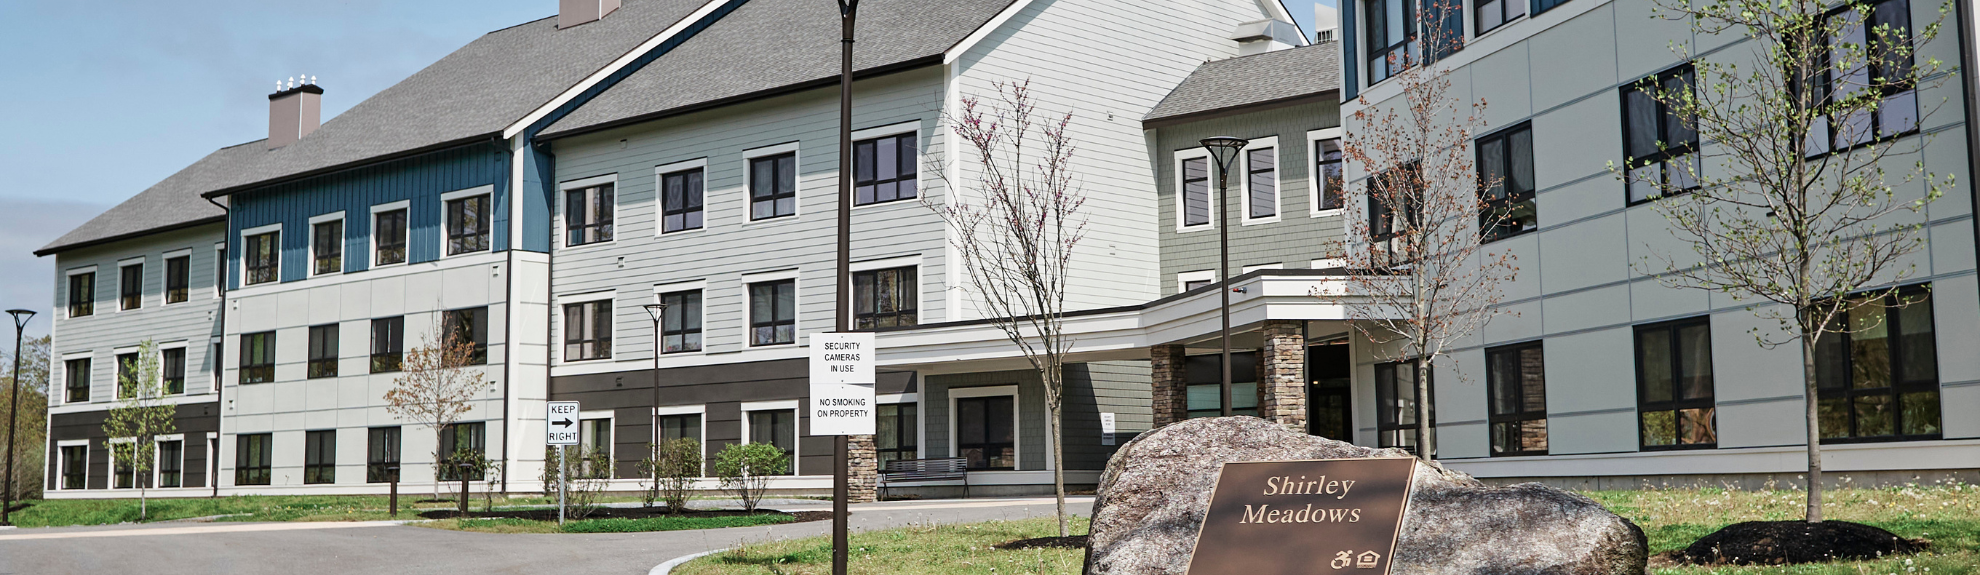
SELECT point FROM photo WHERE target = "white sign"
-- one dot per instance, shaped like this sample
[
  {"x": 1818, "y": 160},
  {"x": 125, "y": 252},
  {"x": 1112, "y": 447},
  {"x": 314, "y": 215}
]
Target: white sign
[
  {"x": 562, "y": 424},
  {"x": 842, "y": 358},
  {"x": 1106, "y": 428}
]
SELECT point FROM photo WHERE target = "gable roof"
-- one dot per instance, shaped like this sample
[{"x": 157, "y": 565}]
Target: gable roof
[
  {"x": 1259, "y": 79},
  {"x": 774, "y": 46},
  {"x": 469, "y": 95}
]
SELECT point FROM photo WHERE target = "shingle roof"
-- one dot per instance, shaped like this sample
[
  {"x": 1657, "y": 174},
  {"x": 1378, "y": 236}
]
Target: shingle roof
[
  {"x": 474, "y": 92},
  {"x": 1255, "y": 79},
  {"x": 768, "y": 46}
]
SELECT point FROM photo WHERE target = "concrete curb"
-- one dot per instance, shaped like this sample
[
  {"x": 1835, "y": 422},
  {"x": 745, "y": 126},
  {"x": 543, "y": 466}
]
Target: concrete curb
[{"x": 668, "y": 567}]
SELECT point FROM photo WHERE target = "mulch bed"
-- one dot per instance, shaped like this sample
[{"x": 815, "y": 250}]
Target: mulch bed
[
  {"x": 1788, "y": 542},
  {"x": 550, "y": 513},
  {"x": 1070, "y": 542}
]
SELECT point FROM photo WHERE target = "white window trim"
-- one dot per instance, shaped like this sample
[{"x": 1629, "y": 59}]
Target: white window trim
[
  {"x": 913, "y": 261},
  {"x": 797, "y": 307},
  {"x": 1313, "y": 139},
  {"x": 701, "y": 410},
  {"x": 659, "y": 203},
  {"x": 64, "y": 372},
  {"x": 888, "y": 130},
  {"x": 219, "y": 270},
  {"x": 255, "y": 231},
  {"x": 1017, "y": 431},
  {"x": 563, "y": 300},
  {"x": 1243, "y": 164},
  {"x": 1211, "y": 185},
  {"x": 561, "y": 238},
  {"x": 797, "y": 419},
  {"x": 1329, "y": 263},
  {"x": 157, "y": 464},
  {"x": 124, "y": 263},
  {"x": 110, "y": 466},
  {"x": 488, "y": 190},
  {"x": 83, "y": 443},
  {"x": 336, "y": 216},
  {"x": 608, "y": 415},
  {"x": 72, "y": 272},
  {"x": 1272, "y": 266},
  {"x": 371, "y": 239},
  {"x": 165, "y": 268},
  {"x": 908, "y": 127},
  {"x": 1183, "y": 278},
  {"x": 180, "y": 345},
  {"x": 797, "y": 183},
  {"x": 896, "y": 398},
  {"x": 700, "y": 286}
]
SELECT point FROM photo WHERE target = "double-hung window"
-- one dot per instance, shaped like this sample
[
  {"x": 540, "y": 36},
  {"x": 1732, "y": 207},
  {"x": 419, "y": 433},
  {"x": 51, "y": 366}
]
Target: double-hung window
[
  {"x": 460, "y": 443},
  {"x": 1674, "y": 395},
  {"x": 1261, "y": 168},
  {"x": 680, "y": 426},
  {"x": 588, "y": 215},
  {"x": 884, "y": 169},
  {"x": 258, "y": 357},
  {"x": 778, "y": 428},
  {"x": 75, "y": 380},
  {"x": 130, "y": 286},
  {"x": 773, "y": 312},
  {"x": 171, "y": 464},
  {"x": 123, "y": 473},
  {"x": 1327, "y": 169},
  {"x": 467, "y": 225},
  {"x": 1871, "y": 56},
  {"x": 681, "y": 200},
  {"x": 1195, "y": 197},
  {"x": 252, "y": 458},
  {"x": 172, "y": 370},
  {"x": 1505, "y": 182},
  {"x": 178, "y": 278},
  {"x": 773, "y": 186},
  {"x": 1516, "y": 378},
  {"x": 680, "y": 330},
  {"x": 82, "y": 294},
  {"x": 588, "y": 330},
  {"x": 1495, "y": 13},
  {"x": 75, "y": 466},
  {"x": 1660, "y": 148},
  {"x": 468, "y": 327},
  {"x": 595, "y": 442},
  {"x": 326, "y": 247},
  {"x": 388, "y": 344},
  {"x": 1877, "y": 370},
  {"x": 1395, "y": 406},
  {"x": 323, "y": 351},
  {"x": 388, "y": 237},
  {"x": 1391, "y": 32},
  {"x": 381, "y": 462},
  {"x": 262, "y": 256},
  {"x": 127, "y": 375},
  {"x": 884, "y": 298},
  {"x": 320, "y": 456}
]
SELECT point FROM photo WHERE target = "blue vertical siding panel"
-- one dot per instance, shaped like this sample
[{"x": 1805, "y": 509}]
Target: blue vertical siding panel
[{"x": 1350, "y": 50}]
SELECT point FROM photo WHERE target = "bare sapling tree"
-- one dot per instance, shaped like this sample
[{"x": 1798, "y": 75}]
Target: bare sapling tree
[
  {"x": 139, "y": 417},
  {"x": 1422, "y": 270},
  {"x": 1015, "y": 223},
  {"x": 1802, "y": 214},
  {"x": 437, "y": 386}
]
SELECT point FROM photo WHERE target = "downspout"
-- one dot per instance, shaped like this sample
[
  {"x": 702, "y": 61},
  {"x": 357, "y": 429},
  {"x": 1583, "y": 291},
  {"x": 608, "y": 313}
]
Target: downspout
[{"x": 219, "y": 395}]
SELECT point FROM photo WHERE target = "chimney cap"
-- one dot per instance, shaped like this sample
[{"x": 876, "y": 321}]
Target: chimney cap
[{"x": 310, "y": 88}]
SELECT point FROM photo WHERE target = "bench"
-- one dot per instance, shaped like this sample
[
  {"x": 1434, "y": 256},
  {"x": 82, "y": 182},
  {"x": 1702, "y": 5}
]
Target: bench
[{"x": 923, "y": 470}]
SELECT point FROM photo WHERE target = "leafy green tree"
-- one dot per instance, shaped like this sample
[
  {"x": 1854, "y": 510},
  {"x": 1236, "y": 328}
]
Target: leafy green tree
[
  {"x": 671, "y": 472},
  {"x": 745, "y": 469},
  {"x": 139, "y": 417},
  {"x": 31, "y": 423}
]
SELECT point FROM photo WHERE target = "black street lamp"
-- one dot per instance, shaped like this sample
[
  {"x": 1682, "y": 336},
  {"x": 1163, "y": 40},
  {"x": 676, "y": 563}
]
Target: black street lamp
[
  {"x": 659, "y": 312},
  {"x": 848, "y": 12},
  {"x": 21, "y": 317},
  {"x": 1225, "y": 149}
]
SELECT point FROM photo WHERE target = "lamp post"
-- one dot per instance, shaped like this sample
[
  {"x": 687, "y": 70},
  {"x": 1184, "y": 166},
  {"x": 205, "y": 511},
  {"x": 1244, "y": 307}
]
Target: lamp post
[
  {"x": 21, "y": 317},
  {"x": 848, "y": 12},
  {"x": 659, "y": 312},
  {"x": 1225, "y": 149}
]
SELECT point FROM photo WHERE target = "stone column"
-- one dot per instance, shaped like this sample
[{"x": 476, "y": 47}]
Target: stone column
[
  {"x": 1169, "y": 387},
  {"x": 1282, "y": 385},
  {"x": 862, "y": 470}
]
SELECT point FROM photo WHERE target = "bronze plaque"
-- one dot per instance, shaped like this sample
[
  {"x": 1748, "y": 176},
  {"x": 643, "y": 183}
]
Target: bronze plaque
[{"x": 1304, "y": 517}]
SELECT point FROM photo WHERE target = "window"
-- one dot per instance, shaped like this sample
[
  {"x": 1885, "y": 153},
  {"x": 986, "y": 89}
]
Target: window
[
  {"x": 130, "y": 286},
  {"x": 320, "y": 457},
  {"x": 258, "y": 357},
  {"x": 75, "y": 380},
  {"x": 773, "y": 186},
  {"x": 171, "y": 463},
  {"x": 1402, "y": 184},
  {"x": 469, "y": 326},
  {"x": 263, "y": 258},
  {"x": 681, "y": 201},
  {"x": 127, "y": 375},
  {"x": 252, "y": 457},
  {"x": 1391, "y": 26},
  {"x": 1516, "y": 377},
  {"x": 381, "y": 459},
  {"x": 1192, "y": 285},
  {"x": 1203, "y": 391},
  {"x": 1868, "y": 59},
  {"x": 1505, "y": 181},
  {"x": 588, "y": 330},
  {"x": 680, "y": 329},
  {"x": 1494, "y": 13},
  {"x": 898, "y": 433},
  {"x": 123, "y": 474},
  {"x": 1261, "y": 167},
  {"x": 595, "y": 437},
  {"x": 588, "y": 215},
  {"x": 777, "y": 427},
  {"x": 82, "y": 294},
  {"x": 884, "y": 298},
  {"x": 773, "y": 312},
  {"x": 389, "y": 237},
  {"x": 1545, "y": 5},
  {"x": 388, "y": 344},
  {"x": 1656, "y": 142},
  {"x": 986, "y": 436},
  {"x": 680, "y": 426},
  {"x": 178, "y": 278},
  {"x": 75, "y": 466},
  {"x": 1879, "y": 380},
  {"x": 1327, "y": 163},
  {"x": 467, "y": 225},
  {"x": 323, "y": 351},
  {"x": 327, "y": 247},
  {"x": 457, "y": 441},
  {"x": 219, "y": 269},
  {"x": 173, "y": 370},
  {"x": 1674, "y": 395},
  {"x": 884, "y": 169},
  {"x": 1395, "y": 406},
  {"x": 1195, "y": 203},
  {"x": 214, "y": 352}
]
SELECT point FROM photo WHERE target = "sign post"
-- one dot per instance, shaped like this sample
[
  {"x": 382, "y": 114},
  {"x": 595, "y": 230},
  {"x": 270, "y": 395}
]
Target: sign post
[
  {"x": 561, "y": 429},
  {"x": 841, "y": 404},
  {"x": 1303, "y": 517}
]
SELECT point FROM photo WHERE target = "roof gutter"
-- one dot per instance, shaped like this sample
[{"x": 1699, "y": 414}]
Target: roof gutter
[
  {"x": 490, "y": 137},
  {"x": 51, "y": 250},
  {"x": 869, "y": 73}
]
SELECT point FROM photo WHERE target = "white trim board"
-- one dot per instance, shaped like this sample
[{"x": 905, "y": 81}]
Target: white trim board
[
  {"x": 621, "y": 62},
  {"x": 1017, "y": 429},
  {"x": 1210, "y": 163},
  {"x": 560, "y": 235},
  {"x": 1243, "y": 166}
]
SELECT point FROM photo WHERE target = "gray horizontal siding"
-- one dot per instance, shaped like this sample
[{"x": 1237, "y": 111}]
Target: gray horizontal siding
[
  {"x": 194, "y": 321},
  {"x": 1122, "y": 388}
]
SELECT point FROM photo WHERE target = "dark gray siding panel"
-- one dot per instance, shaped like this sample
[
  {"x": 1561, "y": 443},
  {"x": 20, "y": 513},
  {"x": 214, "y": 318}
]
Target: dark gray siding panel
[
  {"x": 198, "y": 421},
  {"x": 1118, "y": 387}
]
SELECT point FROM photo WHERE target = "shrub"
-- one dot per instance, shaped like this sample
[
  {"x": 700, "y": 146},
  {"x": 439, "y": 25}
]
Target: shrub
[
  {"x": 745, "y": 469},
  {"x": 583, "y": 488},
  {"x": 679, "y": 465}
]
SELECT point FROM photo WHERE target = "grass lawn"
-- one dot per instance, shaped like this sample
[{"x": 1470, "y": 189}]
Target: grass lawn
[
  {"x": 514, "y": 525},
  {"x": 949, "y": 549}
]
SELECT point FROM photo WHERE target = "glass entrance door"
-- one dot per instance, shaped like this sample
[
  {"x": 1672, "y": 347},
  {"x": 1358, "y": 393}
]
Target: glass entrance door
[{"x": 1330, "y": 407}]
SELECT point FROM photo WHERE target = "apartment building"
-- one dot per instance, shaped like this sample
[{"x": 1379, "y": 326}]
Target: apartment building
[{"x": 1596, "y": 340}]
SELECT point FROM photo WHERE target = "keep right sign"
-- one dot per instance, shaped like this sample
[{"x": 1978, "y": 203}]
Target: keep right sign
[{"x": 562, "y": 423}]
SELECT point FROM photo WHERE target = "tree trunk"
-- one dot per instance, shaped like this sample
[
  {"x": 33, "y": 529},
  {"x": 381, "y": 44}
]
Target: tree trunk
[
  {"x": 1813, "y": 414},
  {"x": 1059, "y": 462},
  {"x": 1423, "y": 447}
]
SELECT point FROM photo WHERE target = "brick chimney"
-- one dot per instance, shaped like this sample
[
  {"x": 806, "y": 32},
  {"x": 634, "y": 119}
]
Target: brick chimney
[
  {"x": 294, "y": 112},
  {"x": 574, "y": 12}
]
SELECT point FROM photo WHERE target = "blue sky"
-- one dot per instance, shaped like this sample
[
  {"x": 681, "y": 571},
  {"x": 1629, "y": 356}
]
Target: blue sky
[{"x": 110, "y": 96}]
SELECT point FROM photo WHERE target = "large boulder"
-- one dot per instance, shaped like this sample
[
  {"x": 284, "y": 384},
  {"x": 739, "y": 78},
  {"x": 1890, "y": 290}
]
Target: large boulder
[{"x": 1156, "y": 490}]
